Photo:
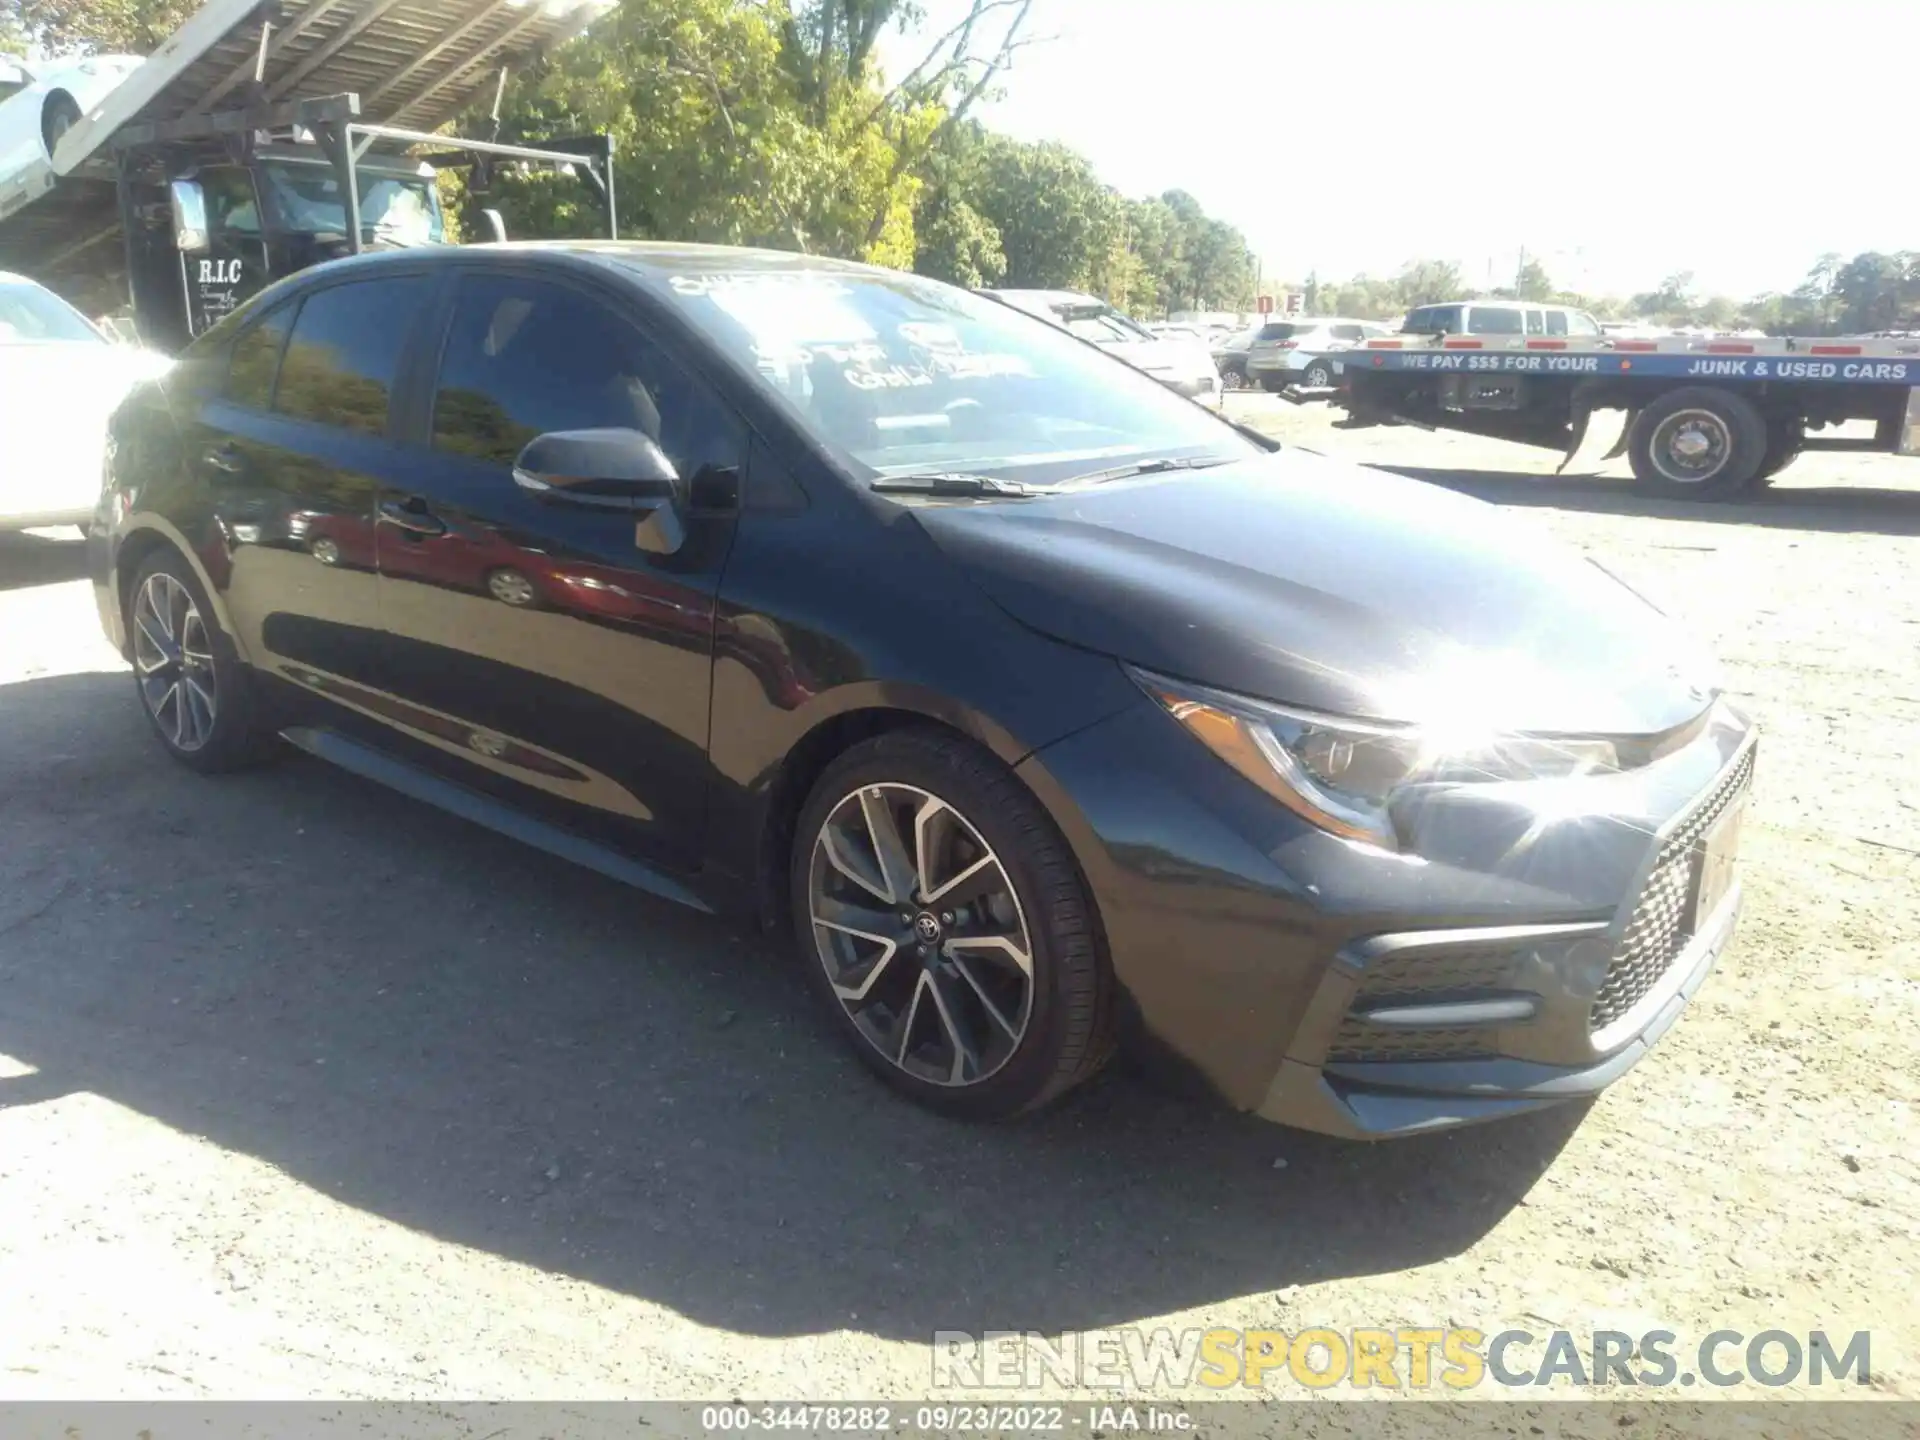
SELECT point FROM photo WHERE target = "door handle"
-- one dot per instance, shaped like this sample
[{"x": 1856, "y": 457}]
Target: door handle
[
  {"x": 412, "y": 516},
  {"x": 225, "y": 457}
]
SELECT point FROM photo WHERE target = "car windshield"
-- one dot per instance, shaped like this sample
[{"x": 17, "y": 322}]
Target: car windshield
[
  {"x": 905, "y": 375},
  {"x": 399, "y": 208},
  {"x": 30, "y": 315}
]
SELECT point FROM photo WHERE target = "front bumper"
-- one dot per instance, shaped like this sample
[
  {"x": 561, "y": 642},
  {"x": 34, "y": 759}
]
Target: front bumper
[{"x": 1298, "y": 976}]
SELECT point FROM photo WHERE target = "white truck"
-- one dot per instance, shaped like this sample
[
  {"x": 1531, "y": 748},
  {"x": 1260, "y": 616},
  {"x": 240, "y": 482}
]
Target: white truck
[
  {"x": 1708, "y": 418},
  {"x": 260, "y": 139}
]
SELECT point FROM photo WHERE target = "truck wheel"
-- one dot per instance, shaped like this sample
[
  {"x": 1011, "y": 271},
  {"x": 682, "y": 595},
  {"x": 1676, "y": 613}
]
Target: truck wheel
[
  {"x": 60, "y": 116},
  {"x": 1785, "y": 435},
  {"x": 1272, "y": 384},
  {"x": 1697, "y": 444}
]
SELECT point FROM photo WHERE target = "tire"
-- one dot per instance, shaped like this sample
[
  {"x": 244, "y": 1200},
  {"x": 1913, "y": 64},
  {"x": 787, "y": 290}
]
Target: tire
[
  {"x": 60, "y": 116},
  {"x": 1319, "y": 375},
  {"x": 185, "y": 653},
  {"x": 1272, "y": 384},
  {"x": 1785, "y": 435},
  {"x": 1233, "y": 378},
  {"x": 326, "y": 550},
  {"x": 903, "y": 980},
  {"x": 1729, "y": 432}
]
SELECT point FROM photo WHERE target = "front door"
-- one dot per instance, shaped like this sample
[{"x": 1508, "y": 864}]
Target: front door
[{"x": 568, "y": 670}]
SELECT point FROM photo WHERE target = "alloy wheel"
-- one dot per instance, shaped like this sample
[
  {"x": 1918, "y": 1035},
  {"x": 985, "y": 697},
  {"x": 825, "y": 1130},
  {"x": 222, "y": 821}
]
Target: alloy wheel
[
  {"x": 326, "y": 551},
  {"x": 173, "y": 656},
  {"x": 921, "y": 933}
]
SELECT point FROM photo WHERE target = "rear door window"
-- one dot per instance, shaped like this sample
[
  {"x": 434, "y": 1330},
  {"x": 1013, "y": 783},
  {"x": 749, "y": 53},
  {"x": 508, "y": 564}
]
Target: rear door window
[
  {"x": 1536, "y": 323},
  {"x": 344, "y": 353},
  {"x": 1556, "y": 322},
  {"x": 1433, "y": 320},
  {"x": 256, "y": 358}
]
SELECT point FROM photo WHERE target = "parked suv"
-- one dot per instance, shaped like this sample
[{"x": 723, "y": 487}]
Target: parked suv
[{"x": 1292, "y": 354}]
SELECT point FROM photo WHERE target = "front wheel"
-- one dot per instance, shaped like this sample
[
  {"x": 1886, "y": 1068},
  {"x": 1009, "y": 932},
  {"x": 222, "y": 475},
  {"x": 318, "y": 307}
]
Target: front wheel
[
  {"x": 1697, "y": 443},
  {"x": 946, "y": 924},
  {"x": 194, "y": 689}
]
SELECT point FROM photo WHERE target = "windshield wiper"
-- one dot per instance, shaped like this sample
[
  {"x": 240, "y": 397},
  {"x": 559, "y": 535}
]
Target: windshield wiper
[
  {"x": 941, "y": 482},
  {"x": 1148, "y": 467}
]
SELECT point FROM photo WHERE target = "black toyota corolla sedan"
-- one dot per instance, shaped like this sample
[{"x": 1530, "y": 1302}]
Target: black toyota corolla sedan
[{"x": 1049, "y": 711}]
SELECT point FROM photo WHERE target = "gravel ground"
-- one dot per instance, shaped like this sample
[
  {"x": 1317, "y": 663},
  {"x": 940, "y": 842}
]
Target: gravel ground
[{"x": 309, "y": 1091}]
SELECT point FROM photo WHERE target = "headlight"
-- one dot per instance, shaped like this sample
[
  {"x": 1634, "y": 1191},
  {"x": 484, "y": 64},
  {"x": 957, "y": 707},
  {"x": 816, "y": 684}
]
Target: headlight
[{"x": 1341, "y": 775}]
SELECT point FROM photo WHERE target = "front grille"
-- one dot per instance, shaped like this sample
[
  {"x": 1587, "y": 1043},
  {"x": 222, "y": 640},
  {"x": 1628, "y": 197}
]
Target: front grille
[
  {"x": 1421, "y": 975},
  {"x": 1662, "y": 922}
]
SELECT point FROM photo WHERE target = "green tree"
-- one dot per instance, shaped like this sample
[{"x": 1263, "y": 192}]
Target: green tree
[
  {"x": 1532, "y": 282},
  {"x": 1429, "y": 282},
  {"x": 97, "y": 27},
  {"x": 1871, "y": 290},
  {"x": 1054, "y": 216}
]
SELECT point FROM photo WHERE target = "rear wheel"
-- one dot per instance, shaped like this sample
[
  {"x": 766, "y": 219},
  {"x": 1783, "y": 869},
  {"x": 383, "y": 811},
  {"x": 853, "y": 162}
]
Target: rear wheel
[
  {"x": 60, "y": 116},
  {"x": 945, "y": 923},
  {"x": 1786, "y": 434},
  {"x": 1697, "y": 444},
  {"x": 194, "y": 689},
  {"x": 1319, "y": 375}
]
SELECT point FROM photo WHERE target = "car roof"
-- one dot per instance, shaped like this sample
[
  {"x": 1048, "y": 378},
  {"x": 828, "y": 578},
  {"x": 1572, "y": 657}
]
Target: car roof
[{"x": 656, "y": 262}]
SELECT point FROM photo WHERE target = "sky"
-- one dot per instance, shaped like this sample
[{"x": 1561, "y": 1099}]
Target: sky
[{"x": 1618, "y": 141}]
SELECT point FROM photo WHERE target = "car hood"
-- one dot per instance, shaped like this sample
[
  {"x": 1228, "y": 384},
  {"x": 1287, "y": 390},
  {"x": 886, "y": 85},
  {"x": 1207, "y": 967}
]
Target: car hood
[
  {"x": 1181, "y": 358},
  {"x": 1315, "y": 583}
]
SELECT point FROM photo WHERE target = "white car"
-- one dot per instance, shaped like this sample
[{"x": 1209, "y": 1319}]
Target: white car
[
  {"x": 1294, "y": 354},
  {"x": 39, "y": 103},
  {"x": 59, "y": 381},
  {"x": 1182, "y": 365}
]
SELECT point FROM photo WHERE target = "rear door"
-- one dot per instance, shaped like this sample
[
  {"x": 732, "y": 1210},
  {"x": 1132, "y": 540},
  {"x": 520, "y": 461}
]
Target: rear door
[
  {"x": 292, "y": 448},
  {"x": 544, "y": 657}
]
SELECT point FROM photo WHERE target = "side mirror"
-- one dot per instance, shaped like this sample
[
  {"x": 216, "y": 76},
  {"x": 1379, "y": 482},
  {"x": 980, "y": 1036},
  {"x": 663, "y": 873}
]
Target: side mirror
[
  {"x": 622, "y": 471},
  {"x": 189, "y": 203}
]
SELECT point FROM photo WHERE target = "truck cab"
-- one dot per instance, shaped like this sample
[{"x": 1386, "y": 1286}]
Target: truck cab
[{"x": 235, "y": 228}]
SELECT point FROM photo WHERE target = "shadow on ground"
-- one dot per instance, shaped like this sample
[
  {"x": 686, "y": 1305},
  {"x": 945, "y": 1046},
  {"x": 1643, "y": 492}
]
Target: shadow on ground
[
  {"x": 470, "y": 1038},
  {"x": 1833, "y": 508},
  {"x": 29, "y": 560}
]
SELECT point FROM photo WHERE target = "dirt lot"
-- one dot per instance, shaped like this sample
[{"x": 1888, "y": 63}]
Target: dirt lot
[{"x": 307, "y": 1090}]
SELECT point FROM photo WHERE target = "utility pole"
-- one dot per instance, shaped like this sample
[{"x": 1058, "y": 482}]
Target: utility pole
[{"x": 1519, "y": 274}]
